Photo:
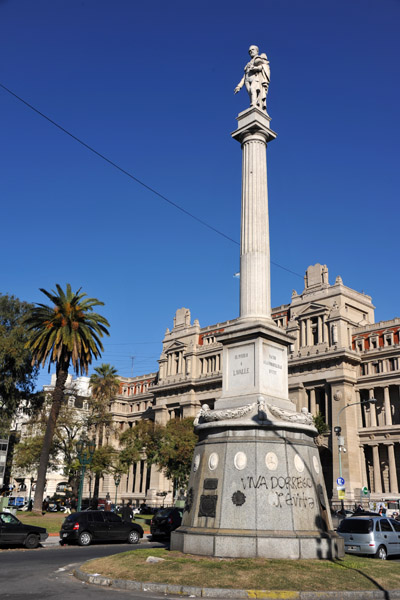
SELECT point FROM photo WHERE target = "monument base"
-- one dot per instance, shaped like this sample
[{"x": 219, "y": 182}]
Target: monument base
[
  {"x": 256, "y": 544},
  {"x": 256, "y": 490}
]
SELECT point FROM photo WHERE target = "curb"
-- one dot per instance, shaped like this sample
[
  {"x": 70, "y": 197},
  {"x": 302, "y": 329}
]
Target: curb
[{"x": 199, "y": 592}]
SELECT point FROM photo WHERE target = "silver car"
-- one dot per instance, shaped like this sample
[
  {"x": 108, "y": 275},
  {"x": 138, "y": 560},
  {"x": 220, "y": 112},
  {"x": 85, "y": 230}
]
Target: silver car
[{"x": 377, "y": 536}]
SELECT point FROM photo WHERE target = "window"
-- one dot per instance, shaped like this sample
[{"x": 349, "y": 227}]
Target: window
[
  {"x": 385, "y": 525},
  {"x": 374, "y": 342},
  {"x": 395, "y": 525},
  {"x": 112, "y": 517}
]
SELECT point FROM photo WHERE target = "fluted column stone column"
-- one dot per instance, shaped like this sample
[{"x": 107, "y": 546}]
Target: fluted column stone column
[
  {"x": 377, "y": 469},
  {"x": 394, "y": 488},
  {"x": 388, "y": 412}
]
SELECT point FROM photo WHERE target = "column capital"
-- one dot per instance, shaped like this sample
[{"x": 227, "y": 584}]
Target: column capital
[{"x": 253, "y": 121}]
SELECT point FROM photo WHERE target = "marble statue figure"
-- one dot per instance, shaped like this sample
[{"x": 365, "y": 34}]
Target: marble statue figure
[{"x": 256, "y": 78}]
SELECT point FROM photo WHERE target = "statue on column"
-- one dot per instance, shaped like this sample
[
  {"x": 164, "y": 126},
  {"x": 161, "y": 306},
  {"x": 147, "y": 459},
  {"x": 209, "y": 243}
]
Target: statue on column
[{"x": 256, "y": 78}]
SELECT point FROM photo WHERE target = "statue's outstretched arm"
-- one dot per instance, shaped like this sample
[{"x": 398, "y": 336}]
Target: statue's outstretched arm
[{"x": 239, "y": 86}]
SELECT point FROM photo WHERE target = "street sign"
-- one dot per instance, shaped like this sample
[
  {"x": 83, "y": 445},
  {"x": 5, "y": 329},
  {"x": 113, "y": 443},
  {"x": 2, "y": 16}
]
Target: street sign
[
  {"x": 341, "y": 494},
  {"x": 340, "y": 481},
  {"x": 365, "y": 490}
]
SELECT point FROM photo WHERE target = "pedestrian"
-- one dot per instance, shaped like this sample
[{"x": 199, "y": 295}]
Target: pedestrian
[
  {"x": 67, "y": 506},
  {"x": 127, "y": 512},
  {"x": 30, "y": 504}
]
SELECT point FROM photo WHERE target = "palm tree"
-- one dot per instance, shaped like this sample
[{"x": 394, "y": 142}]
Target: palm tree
[
  {"x": 68, "y": 332},
  {"x": 105, "y": 385}
]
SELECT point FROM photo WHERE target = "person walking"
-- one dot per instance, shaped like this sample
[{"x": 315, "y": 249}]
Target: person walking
[{"x": 127, "y": 512}]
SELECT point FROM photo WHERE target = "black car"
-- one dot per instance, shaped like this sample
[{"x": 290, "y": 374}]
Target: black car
[
  {"x": 96, "y": 525},
  {"x": 12, "y": 531},
  {"x": 165, "y": 521}
]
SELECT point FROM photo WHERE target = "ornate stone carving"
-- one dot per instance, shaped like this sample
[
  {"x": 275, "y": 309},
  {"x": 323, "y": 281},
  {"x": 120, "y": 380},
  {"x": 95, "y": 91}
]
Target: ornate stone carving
[
  {"x": 206, "y": 415},
  {"x": 338, "y": 396},
  {"x": 189, "y": 500},
  {"x": 207, "y": 506},
  {"x": 303, "y": 417},
  {"x": 256, "y": 78}
]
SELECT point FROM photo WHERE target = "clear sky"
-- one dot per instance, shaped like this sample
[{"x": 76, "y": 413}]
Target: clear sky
[{"x": 150, "y": 86}]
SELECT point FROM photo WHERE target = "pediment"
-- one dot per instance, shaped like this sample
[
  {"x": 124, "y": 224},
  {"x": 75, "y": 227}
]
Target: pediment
[
  {"x": 313, "y": 308},
  {"x": 175, "y": 346}
]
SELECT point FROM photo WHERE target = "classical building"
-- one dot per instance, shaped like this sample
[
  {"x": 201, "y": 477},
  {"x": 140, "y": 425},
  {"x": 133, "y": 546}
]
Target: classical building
[{"x": 339, "y": 358}]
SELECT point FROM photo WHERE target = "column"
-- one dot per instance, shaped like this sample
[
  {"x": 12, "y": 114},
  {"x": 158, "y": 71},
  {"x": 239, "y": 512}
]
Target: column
[
  {"x": 394, "y": 488},
  {"x": 312, "y": 402},
  {"x": 388, "y": 411},
  {"x": 180, "y": 356},
  {"x": 319, "y": 330},
  {"x": 253, "y": 133},
  {"x": 303, "y": 334},
  {"x": 372, "y": 409},
  {"x": 363, "y": 461},
  {"x": 137, "y": 479},
  {"x": 309, "y": 336},
  {"x": 169, "y": 364},
  {"x": 377, "y": 469},
  {"x": 359, "y": 416}
]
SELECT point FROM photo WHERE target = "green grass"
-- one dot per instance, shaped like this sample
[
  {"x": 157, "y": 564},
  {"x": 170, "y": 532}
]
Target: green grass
[
  {"x": 351, "y": 573},
  {"x": 51, "y": 521}
]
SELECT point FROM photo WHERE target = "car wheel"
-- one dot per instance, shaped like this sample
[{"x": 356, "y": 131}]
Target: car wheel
[
  {"x": 381, "y": 553},
  {"x": 31, "y": 541},
  {"x": 84, "y": 538},
  {"x": 133, "y": 537}
]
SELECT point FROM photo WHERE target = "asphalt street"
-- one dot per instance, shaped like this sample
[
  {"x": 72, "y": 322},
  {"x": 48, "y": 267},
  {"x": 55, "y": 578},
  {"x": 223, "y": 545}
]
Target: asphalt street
[{"x": 46, "y": 573}]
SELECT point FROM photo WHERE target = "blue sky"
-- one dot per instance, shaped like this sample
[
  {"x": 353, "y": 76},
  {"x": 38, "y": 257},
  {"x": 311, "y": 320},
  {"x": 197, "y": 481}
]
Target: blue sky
[{"x": 151, "y": 87}]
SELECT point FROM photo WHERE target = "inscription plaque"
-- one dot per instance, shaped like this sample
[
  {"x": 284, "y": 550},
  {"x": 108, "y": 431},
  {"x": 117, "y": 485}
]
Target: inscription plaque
[
  {"x": 241, "y": 367},
  {"x": 210, "y": 484},
  {"x": 275, "y": 368},
  {"x": 207, "y": 506}
]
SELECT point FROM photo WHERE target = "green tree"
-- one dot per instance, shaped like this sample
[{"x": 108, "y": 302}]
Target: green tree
[
  {"x": 170, "y": 447},
  {"x": 175, "y": 451},
  {"x": 104, "y": 385},
  {"x": 17, "y": 374},
  {"x": 68, "y": 332},
  {"x": 320, "y": 424}
]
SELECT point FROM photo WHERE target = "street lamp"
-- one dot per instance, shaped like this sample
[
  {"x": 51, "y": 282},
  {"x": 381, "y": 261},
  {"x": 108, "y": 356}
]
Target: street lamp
[
  {"x": 117, "y": 481},
  {"x": 340, "y": 438},
  {"x": 85, "y": 452}
]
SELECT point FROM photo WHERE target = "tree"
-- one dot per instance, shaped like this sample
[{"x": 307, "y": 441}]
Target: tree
[
  {"x": 170, "y": 448},
  {"x": 68, "y": 332},
  {"x": 175, "y": 452},
  {"x": 17, "y": 373},
  {"x": 105, "y": 385}
]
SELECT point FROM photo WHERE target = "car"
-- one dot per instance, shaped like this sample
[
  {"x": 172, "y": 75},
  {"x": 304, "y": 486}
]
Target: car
[
  {"x": 372, "y": 535},
  {"x": 14, "y": 532},
  {"x": 165, "y": 521},
  {"x": 90, "y": 526}
]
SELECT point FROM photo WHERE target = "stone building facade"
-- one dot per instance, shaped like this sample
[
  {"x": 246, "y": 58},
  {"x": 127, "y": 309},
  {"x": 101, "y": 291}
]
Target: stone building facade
[{"x": 339, "y": 357}]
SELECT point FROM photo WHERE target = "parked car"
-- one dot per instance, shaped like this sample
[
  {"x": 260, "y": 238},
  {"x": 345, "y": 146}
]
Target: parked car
[
  {"x": 373, "y": 535},
  {"x": 165, "y": 521},
  {"x": 97, "y": 525},
  {"x": 12, "y": 531}
]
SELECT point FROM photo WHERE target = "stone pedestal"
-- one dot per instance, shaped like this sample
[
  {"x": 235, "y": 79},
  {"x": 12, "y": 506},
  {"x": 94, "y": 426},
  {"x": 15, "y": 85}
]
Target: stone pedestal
[{"x": 256, "y": 488}]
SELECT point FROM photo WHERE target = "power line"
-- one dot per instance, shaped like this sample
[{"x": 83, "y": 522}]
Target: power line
[{"x": 128, "y": 174}]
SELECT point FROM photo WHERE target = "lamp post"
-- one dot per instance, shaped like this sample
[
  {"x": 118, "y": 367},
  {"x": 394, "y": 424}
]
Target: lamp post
[
  {"x": 30, "y": 489},
  {"x": 338, "y": 431},
  {"x": 85, "y": 452},
  {"x": 117, "y": 481}
]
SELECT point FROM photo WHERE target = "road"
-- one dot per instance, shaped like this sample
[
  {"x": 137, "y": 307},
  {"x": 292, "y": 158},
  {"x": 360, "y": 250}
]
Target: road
[{"x": 46, "y": 573}]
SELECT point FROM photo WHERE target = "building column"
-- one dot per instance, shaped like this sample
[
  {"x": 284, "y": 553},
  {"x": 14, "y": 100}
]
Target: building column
[
  {"x": 137, "y": 479},
  {"x": 393, "y": 484},
  {"x": 319, "y": 330},
  {"x": 363, "y": 460},
  {"x": 309, "y": 336},
  {"x": 303, "y": 340},
  {"x": 388, "y": 411},
  {"x": 180, "y": 356},
  {"x": 313, "y": 406},
  {"x": 372, "y": 409},
  {"x": 377, "y": 469}
]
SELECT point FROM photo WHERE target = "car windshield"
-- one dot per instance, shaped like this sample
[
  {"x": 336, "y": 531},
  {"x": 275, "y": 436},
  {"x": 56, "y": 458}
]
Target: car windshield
[
  {"x": 165, "y": 512},
  {"x": 355, "y": 526},
  {"x": 9, "y": 518}
]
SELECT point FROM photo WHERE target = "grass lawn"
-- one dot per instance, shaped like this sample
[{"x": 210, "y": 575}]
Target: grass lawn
[
  {"x": 351, "y": 573},
  {"x": 52, "y": 521}
]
